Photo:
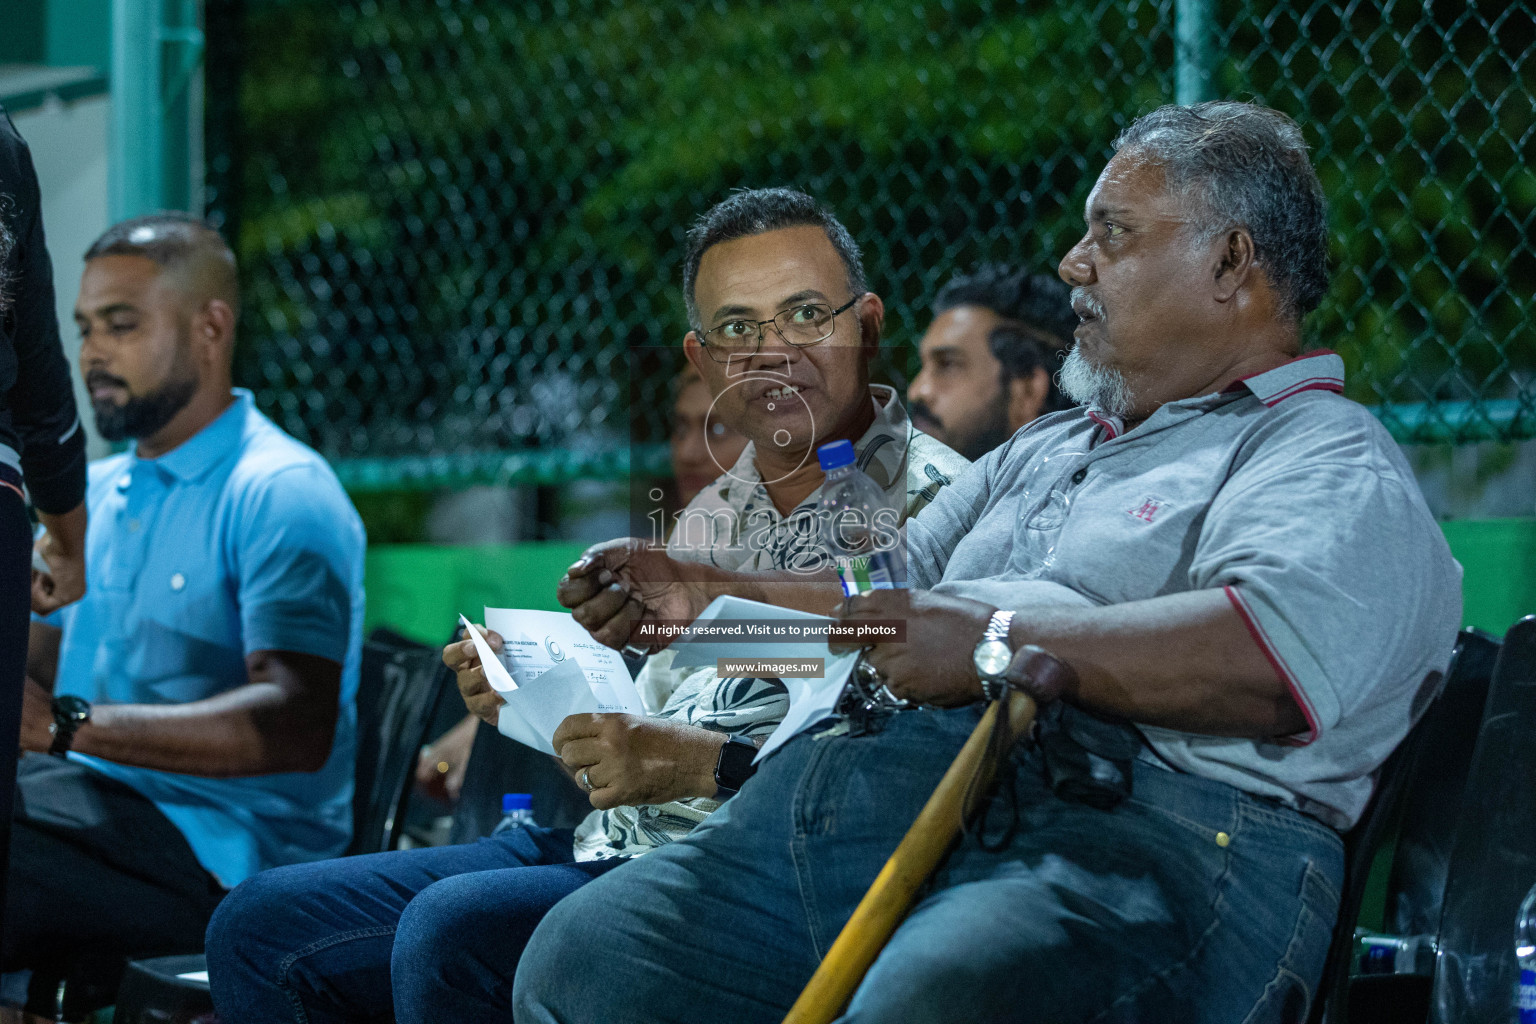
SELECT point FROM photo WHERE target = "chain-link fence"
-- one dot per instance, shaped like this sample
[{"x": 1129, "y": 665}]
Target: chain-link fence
[{"x": 460, "y": 221}]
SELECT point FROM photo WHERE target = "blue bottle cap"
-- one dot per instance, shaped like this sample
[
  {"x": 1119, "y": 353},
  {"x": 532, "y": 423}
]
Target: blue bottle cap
[
  {"x": 835, "y": 455},
  {"x": 516, "y": 802}
]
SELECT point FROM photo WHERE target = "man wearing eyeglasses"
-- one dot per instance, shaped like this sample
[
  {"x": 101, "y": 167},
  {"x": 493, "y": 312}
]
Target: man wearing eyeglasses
[
  {"x": 1252, "y": 597},
  {"x": 782, "y": 330}
]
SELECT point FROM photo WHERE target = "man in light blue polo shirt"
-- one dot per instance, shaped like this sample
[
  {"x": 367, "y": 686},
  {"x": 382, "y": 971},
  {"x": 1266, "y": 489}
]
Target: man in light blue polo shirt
[{"x": 202, "y": 691}]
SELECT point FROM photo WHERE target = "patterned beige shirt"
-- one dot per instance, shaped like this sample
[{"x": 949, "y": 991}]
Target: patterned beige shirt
[{"x": 745, "y": 532}]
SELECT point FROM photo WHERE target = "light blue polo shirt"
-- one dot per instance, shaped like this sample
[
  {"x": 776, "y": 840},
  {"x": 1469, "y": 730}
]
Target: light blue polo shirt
[{"x": 239, "y": 540}]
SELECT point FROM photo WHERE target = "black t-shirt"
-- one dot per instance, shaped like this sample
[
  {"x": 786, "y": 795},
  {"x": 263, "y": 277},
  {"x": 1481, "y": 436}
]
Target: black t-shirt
[{"x": 38, "y": 420}]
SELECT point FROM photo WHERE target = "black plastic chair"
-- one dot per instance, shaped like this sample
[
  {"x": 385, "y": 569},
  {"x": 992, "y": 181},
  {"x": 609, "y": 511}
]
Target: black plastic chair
[
  {"x": 158, "y": 991},
  {"x": 1421, "y": 860},
  {"x": 1493, "y": 858},
  {"x": 1431, "y": 763},
  {"x": 400, "y": 684}
]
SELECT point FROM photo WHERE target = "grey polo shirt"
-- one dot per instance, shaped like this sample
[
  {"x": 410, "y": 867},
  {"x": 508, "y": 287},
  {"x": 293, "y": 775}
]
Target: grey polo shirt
[{"x": 1279, "y": 491}]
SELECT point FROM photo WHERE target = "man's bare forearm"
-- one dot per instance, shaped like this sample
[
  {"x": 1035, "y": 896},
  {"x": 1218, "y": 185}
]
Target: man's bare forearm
[
  {"x": 282, "y": 720},
  {"x": 1184, "y": 661},
  {"x": 43, "y": 653}
]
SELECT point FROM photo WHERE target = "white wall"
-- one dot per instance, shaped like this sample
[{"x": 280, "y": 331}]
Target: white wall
[{"x": 69, "y": 147}]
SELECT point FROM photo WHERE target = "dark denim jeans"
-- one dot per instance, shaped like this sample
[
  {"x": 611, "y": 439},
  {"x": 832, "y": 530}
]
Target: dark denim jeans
[
  {"x": 424, "y": 935},
  {"x": 1189, "y": 902}
]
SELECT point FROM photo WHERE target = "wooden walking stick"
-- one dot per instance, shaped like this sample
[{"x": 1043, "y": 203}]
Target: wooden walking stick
[{"x": 921, "y": 849}]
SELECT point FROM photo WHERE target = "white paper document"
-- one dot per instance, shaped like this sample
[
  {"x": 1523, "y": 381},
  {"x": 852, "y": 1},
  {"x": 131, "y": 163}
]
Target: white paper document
[
  {"x": 550, "y": 668},
  {"x": 810, "y": 700},
  {"x": 714, "y": 634}
]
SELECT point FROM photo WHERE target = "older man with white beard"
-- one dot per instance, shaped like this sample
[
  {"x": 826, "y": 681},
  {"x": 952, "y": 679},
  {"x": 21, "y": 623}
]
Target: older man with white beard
[{"x": 1236, "y": 563}]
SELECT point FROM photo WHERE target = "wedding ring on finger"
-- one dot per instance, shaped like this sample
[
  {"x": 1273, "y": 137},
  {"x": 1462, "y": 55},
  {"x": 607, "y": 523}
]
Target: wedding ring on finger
[{"x": 586, "y": 780}]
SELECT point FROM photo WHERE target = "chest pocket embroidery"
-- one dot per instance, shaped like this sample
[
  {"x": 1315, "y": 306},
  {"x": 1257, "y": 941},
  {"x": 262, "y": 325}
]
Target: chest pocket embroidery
[{"x": 1148, "y": 509}]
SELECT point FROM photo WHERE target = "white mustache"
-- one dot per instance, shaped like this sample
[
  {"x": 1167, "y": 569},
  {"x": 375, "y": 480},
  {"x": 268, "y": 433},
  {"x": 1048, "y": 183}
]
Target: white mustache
[{"x": 1082, "y": 298}]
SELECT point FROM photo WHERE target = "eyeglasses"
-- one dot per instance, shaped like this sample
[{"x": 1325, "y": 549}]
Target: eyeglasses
[{"x": 801, "y": 326}]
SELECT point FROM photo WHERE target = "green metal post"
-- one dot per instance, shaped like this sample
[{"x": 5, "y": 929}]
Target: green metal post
[
  {"x": 136, "y": 166},
  {"x": 1193, "y": 52},
  {"x": 152, "y": 102},
  {"x": 181, "y": 103}
]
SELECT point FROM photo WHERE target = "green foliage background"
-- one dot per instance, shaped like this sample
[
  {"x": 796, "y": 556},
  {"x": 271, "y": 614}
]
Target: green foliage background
[{"x": 460, "y": 221}]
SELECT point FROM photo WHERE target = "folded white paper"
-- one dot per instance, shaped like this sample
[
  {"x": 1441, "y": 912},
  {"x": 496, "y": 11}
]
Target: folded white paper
[
  {"x": 549, "y": 669},
  {"x": 532, "y": 713},
  {"x": 810, "y": 700},
  {"x": 495, "y": 671},
  {"x": 695, "y": 646}
]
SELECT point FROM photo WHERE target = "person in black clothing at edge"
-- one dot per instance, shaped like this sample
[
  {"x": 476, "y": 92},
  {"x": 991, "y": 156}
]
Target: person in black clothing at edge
[{"x": 41, "y": 443}]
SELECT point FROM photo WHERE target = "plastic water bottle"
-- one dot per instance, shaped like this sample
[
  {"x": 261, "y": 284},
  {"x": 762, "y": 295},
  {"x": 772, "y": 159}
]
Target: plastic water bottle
[
  {"x": 516, "y": 812},
  {"x": 1525, "y": 952},
  {"x": 859, "y": 528}
]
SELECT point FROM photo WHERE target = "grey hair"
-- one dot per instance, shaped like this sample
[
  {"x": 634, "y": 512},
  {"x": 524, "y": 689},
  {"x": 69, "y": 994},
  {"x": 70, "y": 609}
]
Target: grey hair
[
  {"x": 754, "y": 212},
  {"x": 1242, "y": 165}
]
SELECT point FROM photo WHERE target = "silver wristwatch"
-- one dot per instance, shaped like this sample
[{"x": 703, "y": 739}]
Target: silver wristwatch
[{"x": 993, "y": 654}]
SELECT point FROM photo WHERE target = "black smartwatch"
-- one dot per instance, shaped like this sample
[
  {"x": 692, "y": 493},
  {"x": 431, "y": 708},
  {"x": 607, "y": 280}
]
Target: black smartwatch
[
  {"x": 735, "y": 766},
  {"x": 69, "y": 714}
]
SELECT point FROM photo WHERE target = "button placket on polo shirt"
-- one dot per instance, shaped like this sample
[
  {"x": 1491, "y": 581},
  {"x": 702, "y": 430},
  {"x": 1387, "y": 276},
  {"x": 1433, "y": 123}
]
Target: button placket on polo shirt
[
  {"x": 143, "y": 486},
  {"x": 1148, "y": 434},
  {"x": 1047, "y": 505}
]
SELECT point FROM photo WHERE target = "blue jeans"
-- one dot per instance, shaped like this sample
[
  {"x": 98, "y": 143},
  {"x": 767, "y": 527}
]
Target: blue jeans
[
  {"x": 1189, "y": 902},
  {"x": 420, "y": 935}
]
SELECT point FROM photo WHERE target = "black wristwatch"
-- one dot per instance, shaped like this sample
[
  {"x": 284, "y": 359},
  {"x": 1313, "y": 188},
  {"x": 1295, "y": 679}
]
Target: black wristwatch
[
  {"x": 735, "y": 766},
  {"x": 69, "y": 714}
]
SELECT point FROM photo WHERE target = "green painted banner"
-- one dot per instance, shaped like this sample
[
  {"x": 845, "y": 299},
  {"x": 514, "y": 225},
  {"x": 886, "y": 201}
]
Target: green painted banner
[{"x": 420, "y": 589}]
